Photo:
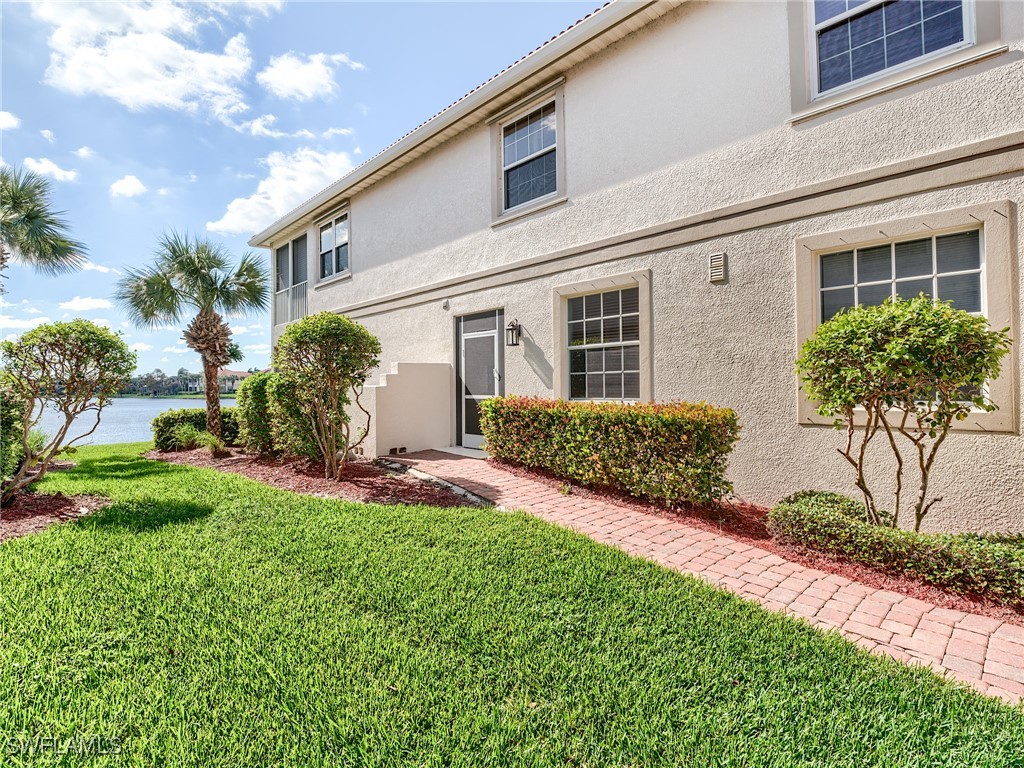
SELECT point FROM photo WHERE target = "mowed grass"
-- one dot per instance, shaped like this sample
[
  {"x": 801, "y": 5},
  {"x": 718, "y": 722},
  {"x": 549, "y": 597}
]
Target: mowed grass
[{"x": 207, "y": 620}]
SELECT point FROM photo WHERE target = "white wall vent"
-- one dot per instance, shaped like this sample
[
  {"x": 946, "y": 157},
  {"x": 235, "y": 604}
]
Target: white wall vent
[{"x": 716, "y": 267}]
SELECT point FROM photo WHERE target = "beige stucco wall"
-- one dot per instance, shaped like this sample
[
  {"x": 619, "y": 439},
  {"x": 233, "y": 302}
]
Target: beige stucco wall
[{"x": 689, "y": 115}]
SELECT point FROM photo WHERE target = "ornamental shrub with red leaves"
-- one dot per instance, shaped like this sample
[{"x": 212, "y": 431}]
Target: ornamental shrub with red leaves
[{"x": 673, "y": 453}]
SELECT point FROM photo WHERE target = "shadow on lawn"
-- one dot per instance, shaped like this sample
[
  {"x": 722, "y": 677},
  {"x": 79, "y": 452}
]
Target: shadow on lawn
[
  {"x": 123, "y": 468},
  {"x": 141, "y": 515}
]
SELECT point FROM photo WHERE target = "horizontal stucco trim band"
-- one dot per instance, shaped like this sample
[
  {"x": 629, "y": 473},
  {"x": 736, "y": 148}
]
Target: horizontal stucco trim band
[{"x": 972, "y": 162}]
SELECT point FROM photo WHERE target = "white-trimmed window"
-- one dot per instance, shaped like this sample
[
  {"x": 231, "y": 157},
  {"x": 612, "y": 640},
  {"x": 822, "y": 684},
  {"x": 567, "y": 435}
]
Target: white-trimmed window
[
  {"x": 947, "y": 267},
  {"x": 858, "y": 40},
  {"x": 334, "y": 259},
  {"x": 529, "y": 157},
  {"x": 603, "y": 336}
]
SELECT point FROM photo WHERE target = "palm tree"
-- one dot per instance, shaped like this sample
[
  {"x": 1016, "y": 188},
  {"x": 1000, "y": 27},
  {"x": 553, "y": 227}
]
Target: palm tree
[
  {"x": 193, "y": 273},
  {"x": 30, "y": 232}
]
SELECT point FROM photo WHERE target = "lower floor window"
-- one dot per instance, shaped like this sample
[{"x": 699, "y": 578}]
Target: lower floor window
[
  {"x": 946, "y": 267},
  {"x": 604, "y": 345}
]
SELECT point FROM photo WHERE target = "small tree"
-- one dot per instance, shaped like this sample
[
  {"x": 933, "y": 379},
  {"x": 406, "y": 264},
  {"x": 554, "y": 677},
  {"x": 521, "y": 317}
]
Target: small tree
[
  {"x": 72, "y": 368},
  {"x": 324, "y": 360},
  {"x": 910, "y": 368}
]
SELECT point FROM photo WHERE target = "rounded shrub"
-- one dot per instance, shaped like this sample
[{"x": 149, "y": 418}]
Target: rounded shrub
[
  {"x": 252, "y": 409},
  {"x": 166, "y": 424}
]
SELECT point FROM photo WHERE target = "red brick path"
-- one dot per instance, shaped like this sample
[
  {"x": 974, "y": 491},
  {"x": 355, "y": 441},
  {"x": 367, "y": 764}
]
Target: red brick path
[{"x": 985, "y": 653}]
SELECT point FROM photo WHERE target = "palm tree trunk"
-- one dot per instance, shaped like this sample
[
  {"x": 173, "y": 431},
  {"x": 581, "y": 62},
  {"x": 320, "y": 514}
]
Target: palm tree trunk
[
  {"x": 210, "y": 336},
  {"x": 210, "y": 371}
]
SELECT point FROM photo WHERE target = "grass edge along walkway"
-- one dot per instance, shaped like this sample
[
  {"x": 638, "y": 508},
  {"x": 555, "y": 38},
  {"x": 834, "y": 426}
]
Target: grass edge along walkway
[
  {"x": 985, "y": 653},
  {"x": 205, "y": 619}
]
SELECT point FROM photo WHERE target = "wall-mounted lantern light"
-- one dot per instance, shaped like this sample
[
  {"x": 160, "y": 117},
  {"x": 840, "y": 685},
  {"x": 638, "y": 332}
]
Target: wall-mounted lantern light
[{"x": 512, "y": 333}]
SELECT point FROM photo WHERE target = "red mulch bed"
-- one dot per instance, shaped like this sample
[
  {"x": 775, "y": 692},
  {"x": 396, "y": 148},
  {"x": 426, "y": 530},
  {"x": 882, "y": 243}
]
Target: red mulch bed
[
  {"x": 34, "y": 512},
  {"x": 746, "y": 522},
  {"x": 362, "y": 481}
]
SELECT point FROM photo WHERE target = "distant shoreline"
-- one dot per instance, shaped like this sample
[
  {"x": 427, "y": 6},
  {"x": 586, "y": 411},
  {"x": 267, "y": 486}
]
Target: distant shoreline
[{"x": 190, "y": 396}]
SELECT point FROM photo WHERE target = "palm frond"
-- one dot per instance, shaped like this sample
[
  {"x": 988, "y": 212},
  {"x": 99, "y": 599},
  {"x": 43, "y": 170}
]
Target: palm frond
[
  {"x": 247, "y": 289},
  {"x": 149, "y": 297},
  {"x": 30, "y": 230}
]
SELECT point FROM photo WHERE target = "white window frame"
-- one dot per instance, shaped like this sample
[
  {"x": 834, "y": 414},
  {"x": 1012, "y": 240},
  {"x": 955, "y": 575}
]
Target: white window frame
[
  {"x": 560, "y": 318},
  {"x": 813, "y": 28},
  {"x": 894, "y": 282},
  {"x": 570, "y": 347},
  {"x": 998, "y": 281},
  {"x": 333, "y": 221},
  {"x": 552, "y": 93}
]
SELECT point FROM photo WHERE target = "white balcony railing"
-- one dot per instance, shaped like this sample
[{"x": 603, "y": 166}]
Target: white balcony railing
[{"x": 290, "y": 304}]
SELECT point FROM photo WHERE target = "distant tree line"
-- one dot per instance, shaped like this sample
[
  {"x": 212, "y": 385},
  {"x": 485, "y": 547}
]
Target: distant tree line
[{"x": 159, "y": 384}]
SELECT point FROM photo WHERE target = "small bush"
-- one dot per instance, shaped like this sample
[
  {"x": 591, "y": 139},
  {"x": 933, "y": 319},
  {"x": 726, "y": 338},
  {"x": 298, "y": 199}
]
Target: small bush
[
  {"x": 992, "y": 566},
  {"x": 667, "y": 452},
  {"x": 290, "y": 431},
  {"x": 166, "y": 423},
  {"x": 213, "y": 444},
  {"x": 12, "y": 410},
  {"x": 252, "y": 409},
  {"x": 186, "y": 437}
]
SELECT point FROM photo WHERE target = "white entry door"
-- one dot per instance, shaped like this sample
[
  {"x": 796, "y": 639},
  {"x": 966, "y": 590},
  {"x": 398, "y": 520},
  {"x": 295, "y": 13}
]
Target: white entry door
[{"x": 481, "y": 370}]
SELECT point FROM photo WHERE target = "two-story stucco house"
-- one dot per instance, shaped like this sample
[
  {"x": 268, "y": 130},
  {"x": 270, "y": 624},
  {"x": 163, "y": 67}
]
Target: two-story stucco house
[{"x": 663, "y": 202}]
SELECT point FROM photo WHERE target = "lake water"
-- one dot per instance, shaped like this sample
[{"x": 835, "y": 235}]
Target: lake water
[{"x": 125, "y": 420}]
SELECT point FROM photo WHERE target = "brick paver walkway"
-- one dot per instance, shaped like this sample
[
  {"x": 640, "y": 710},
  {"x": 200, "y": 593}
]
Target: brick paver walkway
[{"x": 983, "y": 652}]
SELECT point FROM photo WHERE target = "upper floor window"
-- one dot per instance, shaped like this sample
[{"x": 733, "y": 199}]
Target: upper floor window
[
  {"x": 291, "y": 263},
  {"x": 334, "y": 247},
  {"x": 947, "y": 267},
  {"x": 856, "y": 40},
  {"x": 604, "y": 345},
  {"x": 529, "y": 147}
]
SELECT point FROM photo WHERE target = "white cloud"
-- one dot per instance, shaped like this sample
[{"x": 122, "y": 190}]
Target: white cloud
[
  {"x": 337, "y": 132},
  {"x": 147, "y": 55},
  {"x": 165, "y": 359},
  {"x": 291, "y": 178},
  {"x": 163, "y": 191},
  {"x": 140, "y": 346},
  {"x": 85, "y": 152},
  {"x": 46, "y": 167},
  {"x": 8, "y": 121},
  {"x": 85, "y": 304},
  {"x": 92, "y": 266},
  {"x": 8, "y": 323},
  {"x": 47, "y": 134},
  {"x": 291, "y": 76},
  {"x": 176, "y": 350},
  {"x": 261, "y": 126},
  {"x": 128, "y": 186},
  {"x": 101, "y": 321},
  {"x": 257, "y": 349},
  {"x": 34, "y": 311},
  {"x": 192, "y": 178}
]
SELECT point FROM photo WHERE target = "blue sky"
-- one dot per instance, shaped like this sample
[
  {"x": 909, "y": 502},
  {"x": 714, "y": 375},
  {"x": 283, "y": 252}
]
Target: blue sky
[{"x": 217, "y": 118}]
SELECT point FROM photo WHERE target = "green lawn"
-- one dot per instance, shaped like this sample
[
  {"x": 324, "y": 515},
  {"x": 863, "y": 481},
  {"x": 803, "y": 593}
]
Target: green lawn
[{"x": 207, "y": 620}]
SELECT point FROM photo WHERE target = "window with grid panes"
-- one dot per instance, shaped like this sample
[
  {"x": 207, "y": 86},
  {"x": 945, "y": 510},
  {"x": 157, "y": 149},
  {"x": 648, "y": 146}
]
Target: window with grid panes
[
  {"x": 947, "y": 267},
  {"x": 604, "y": 345},
  {"x": 858, "y": 39},
  {"x": 528, "y": 159},
  {"x": 334, "y": 247}
]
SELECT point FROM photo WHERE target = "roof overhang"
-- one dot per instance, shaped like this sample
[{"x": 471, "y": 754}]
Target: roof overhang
[{"x": 596, "y": 32}]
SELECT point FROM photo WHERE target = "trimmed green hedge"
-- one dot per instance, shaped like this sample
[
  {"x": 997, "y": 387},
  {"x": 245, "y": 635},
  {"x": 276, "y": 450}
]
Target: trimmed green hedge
[
  {"x": 12, "y": 410},
  {"x": 992, "y": 566},
  {"x": 672, "y": 453},
  {"x": 255, "y": 433},
  {"x": 166, "y": 423}
]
